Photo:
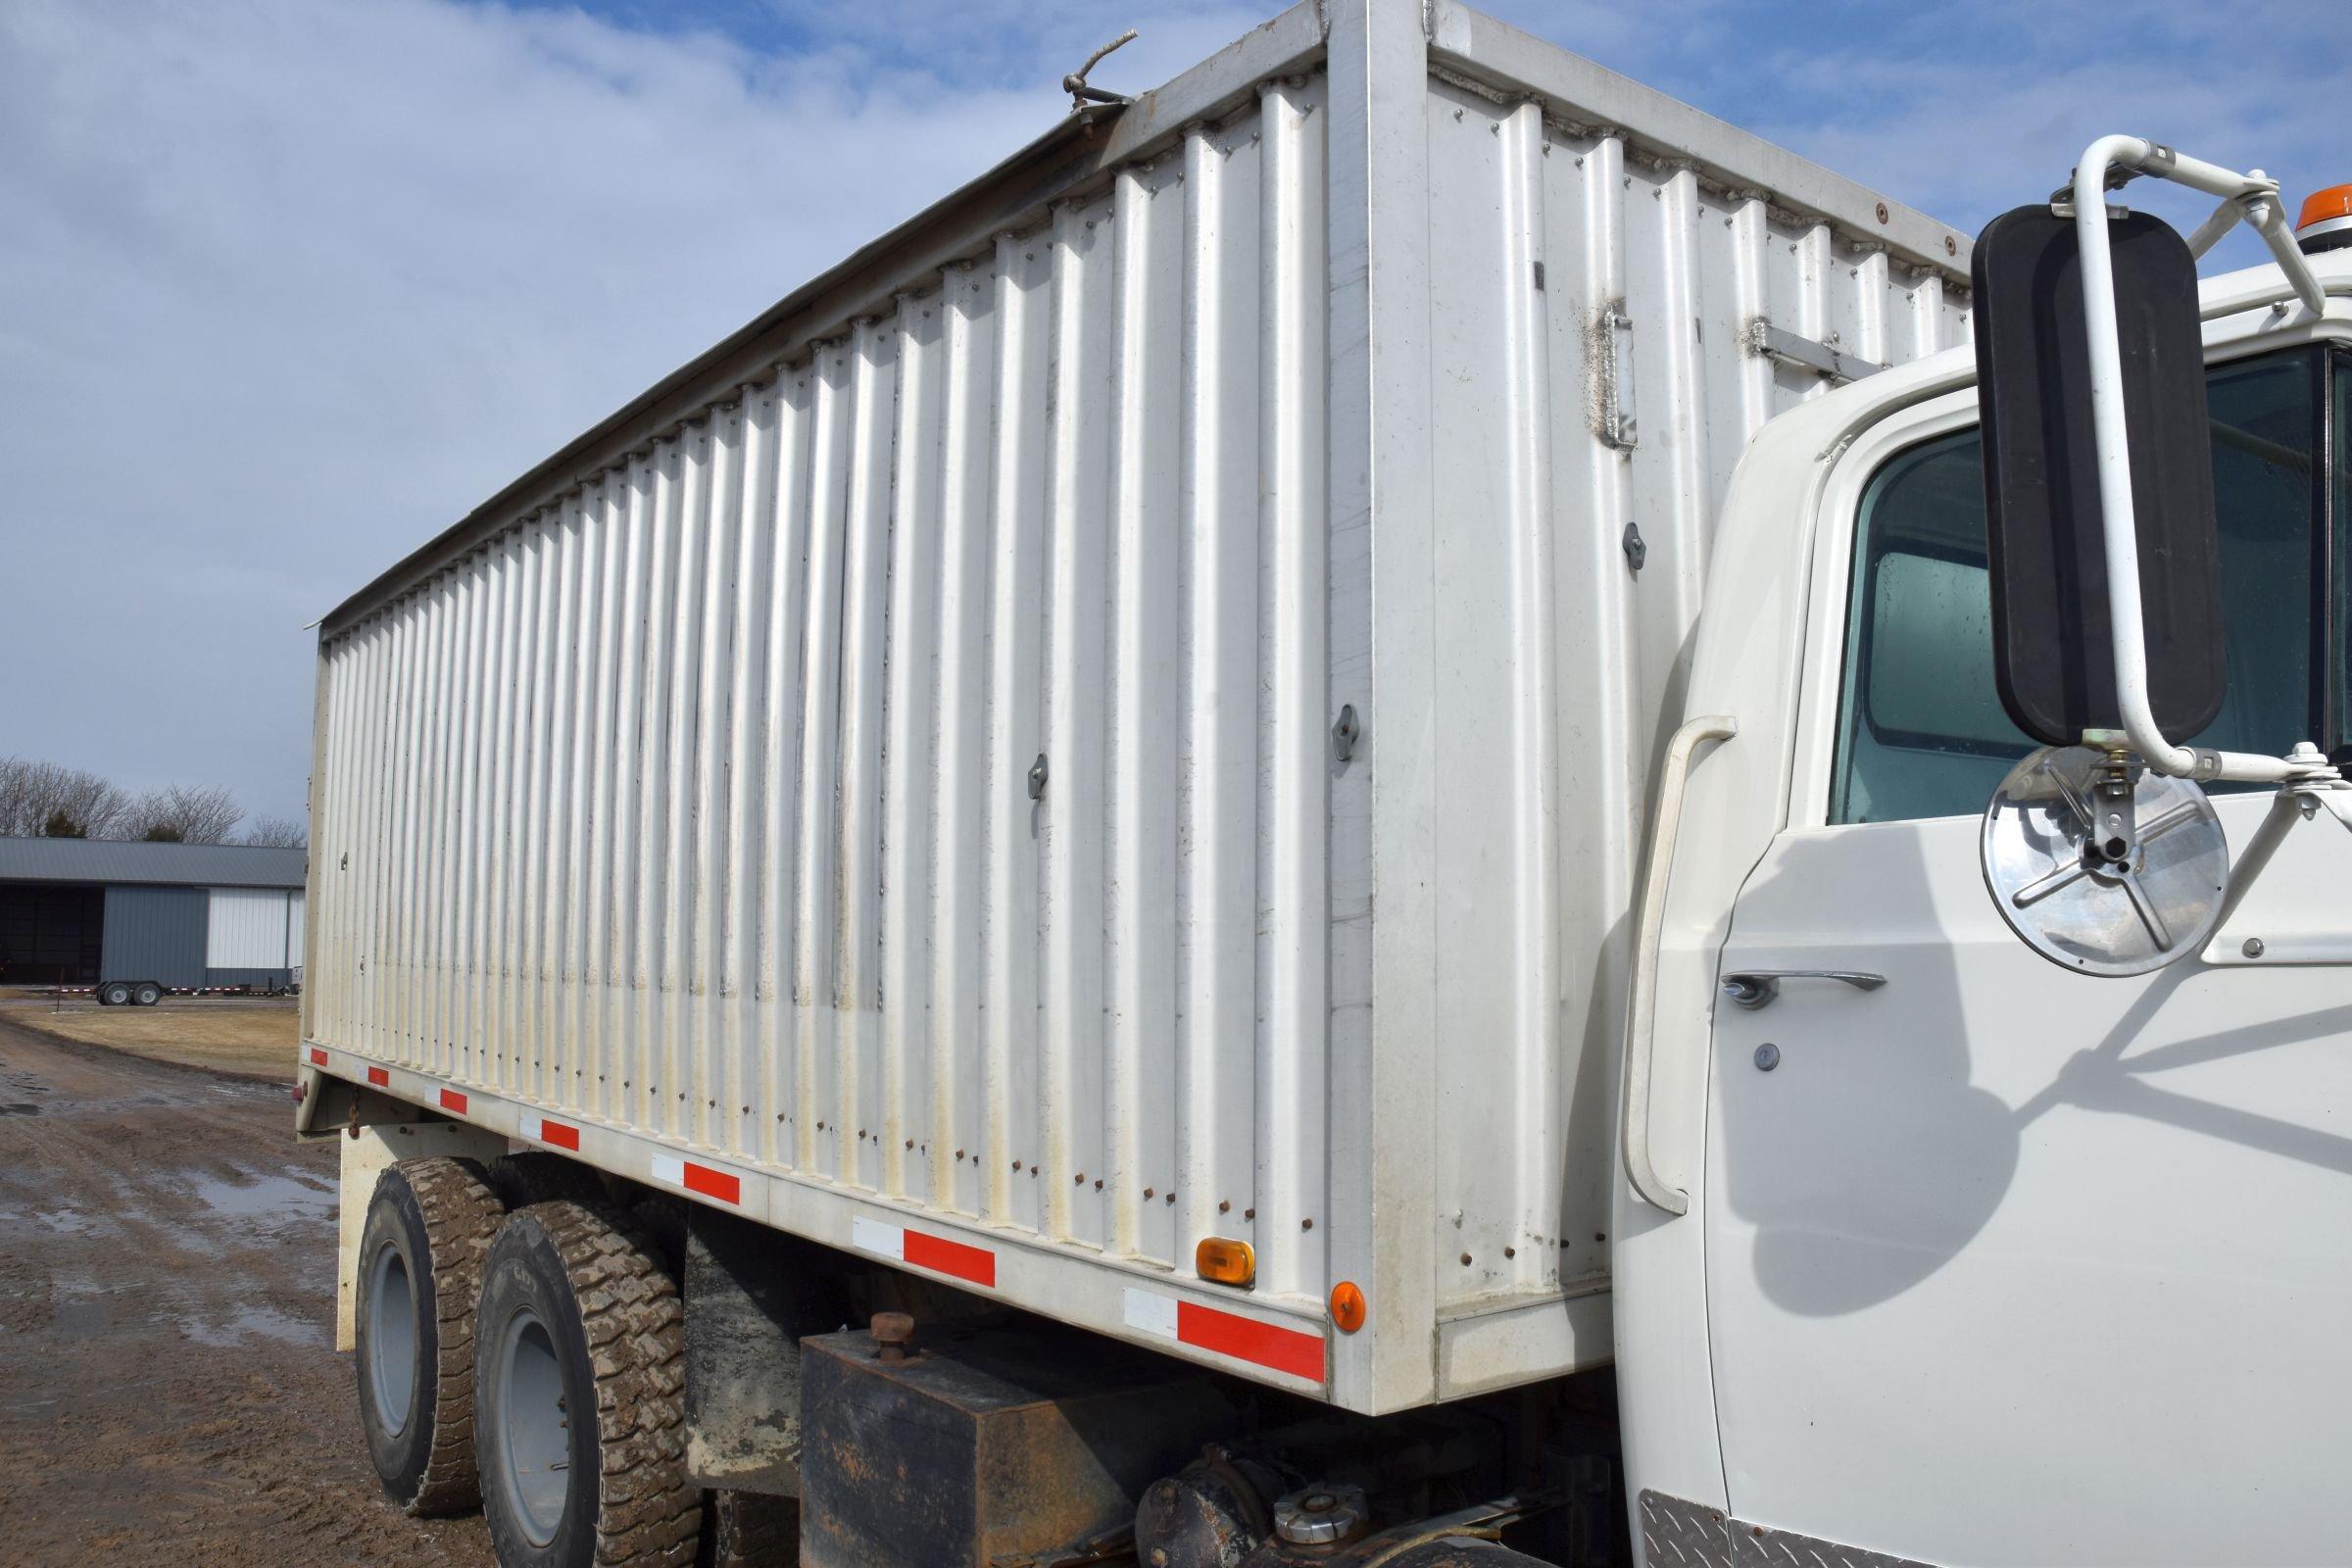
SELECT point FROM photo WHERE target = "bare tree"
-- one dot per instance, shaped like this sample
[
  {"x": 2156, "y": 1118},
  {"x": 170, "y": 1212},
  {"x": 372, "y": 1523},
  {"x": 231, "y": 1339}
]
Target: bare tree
[
  {"x": 181, "y": 814},
  {"x": 280, "y": 832},
  {"x": 39, "y": 799}
]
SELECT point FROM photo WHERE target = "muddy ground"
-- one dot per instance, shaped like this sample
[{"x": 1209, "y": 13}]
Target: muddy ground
[{"x": 169, "y": 1393}]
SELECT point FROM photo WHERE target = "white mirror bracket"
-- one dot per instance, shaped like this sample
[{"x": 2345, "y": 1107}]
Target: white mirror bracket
[
  {"x": 2253, "y": 198},
  {"x": 2299, "y": 799}
]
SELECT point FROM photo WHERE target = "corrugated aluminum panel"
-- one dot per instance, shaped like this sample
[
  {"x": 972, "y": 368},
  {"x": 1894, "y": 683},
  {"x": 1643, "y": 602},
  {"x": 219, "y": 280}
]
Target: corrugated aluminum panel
[
  {"x": 652, "y": 804},
  {"x": 1575, "y": 282},
  {"x": 252, "y": 928},
  {"x": 153, "y": 934},
  {"x": 699, "y": 801}
]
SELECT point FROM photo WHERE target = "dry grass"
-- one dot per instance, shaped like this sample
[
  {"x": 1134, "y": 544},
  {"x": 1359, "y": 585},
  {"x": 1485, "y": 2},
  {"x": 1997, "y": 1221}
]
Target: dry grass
[{"x": 252, "y": 1041}]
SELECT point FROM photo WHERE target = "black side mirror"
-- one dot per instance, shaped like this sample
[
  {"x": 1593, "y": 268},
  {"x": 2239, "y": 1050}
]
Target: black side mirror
[{"x": 2053, "y": 650}]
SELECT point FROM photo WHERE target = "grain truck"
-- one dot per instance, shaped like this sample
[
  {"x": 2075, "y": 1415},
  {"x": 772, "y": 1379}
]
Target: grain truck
[{"x": 1399, "y": 807}]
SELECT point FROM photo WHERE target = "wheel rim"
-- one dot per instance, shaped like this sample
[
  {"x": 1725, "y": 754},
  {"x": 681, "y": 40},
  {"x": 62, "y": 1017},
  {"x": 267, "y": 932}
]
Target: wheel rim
[
  {"x": 391, "y": 1340},
  {"x": 534, "y": 1436},
  {"x": 118, "y": 994}
]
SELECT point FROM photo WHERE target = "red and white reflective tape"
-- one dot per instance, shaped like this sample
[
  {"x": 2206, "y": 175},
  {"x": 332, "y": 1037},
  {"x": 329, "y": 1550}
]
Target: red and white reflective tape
[
  {"x": 551, "y": 1131},
  {"x": 703, "y": 1179},
  {"x": 1245, "y": 1339},
  {"x": 317, "y": 1057},
  {"x": 378, "y": 1077},
  {"x": 975, "y": 1265},
  {"x": 451, "y": 1100}
]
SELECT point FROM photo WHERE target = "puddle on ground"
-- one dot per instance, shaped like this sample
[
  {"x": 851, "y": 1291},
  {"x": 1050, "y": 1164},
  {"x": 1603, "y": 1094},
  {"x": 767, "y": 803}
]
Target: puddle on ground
[
  {"x": 252, "y": 1322},
  {"x": 69, "y": 1222},
  {"x": 254, "y": 1194},
  {"x": 20, "y": 1109}
]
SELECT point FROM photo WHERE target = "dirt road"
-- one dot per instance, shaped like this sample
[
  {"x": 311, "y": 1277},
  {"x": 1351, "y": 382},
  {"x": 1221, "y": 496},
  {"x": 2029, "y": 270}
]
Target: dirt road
[{"x": 168, "y": 1391}]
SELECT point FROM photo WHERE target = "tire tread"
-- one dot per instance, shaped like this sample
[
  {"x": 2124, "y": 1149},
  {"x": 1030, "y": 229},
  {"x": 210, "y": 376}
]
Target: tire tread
[
  {"x": 461, "y": 1218},
  {"x": 648, "y": 1514}
]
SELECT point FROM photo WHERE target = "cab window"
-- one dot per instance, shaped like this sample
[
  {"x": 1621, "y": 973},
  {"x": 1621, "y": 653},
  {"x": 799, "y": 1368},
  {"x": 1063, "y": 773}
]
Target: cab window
[{"x": 1920, "y": 729}]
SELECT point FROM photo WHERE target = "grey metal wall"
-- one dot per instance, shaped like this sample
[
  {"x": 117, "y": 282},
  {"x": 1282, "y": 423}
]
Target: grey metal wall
[{"x": 155, "y": 934}]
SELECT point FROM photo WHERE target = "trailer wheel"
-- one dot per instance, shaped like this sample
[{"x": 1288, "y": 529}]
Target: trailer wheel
[
  {"x": 114, "y": 993},
  {"x": 581, "y": 1385},
  {"x": 429, "y": 1225},
  {"x": 147, "y": 995}
]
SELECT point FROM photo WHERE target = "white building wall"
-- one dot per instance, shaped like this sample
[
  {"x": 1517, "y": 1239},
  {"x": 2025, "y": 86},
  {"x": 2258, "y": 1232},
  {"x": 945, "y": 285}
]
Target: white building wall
[{"x": 253, "y": 928}]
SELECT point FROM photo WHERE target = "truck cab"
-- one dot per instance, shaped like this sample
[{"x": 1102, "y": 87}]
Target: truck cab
[{"x": 1983, "y": 1260}]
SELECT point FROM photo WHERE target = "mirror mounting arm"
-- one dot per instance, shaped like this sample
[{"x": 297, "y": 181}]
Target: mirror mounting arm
[
  {"x": 2257, "y": 197},
  {"x": 2299, "y": 799}
]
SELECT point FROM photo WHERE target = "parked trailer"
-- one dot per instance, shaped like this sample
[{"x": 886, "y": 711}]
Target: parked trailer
[
  {"x": 1078, "y": 789},
  {"x": 147, "y": 992}
]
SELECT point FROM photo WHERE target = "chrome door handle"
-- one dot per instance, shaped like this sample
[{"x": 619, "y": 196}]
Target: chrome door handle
[{"x": 1755, "y": 988}]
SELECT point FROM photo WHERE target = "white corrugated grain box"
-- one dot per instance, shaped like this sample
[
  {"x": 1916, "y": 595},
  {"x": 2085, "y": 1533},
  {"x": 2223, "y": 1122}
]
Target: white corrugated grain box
[{"x": 891, "y": 771}]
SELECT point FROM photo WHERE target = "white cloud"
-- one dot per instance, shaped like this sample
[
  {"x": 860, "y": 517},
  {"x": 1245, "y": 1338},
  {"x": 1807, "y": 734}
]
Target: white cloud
[{"x": 291, "y": 286}]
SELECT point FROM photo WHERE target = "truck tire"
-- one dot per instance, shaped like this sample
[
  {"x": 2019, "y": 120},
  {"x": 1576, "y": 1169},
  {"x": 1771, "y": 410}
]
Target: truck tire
[
  {"x": 146, "y": 994},
  {"x": 114, "y": 993},
  {"x": 579, "y": 1319},
  {"x": 429, "y": 1226}
]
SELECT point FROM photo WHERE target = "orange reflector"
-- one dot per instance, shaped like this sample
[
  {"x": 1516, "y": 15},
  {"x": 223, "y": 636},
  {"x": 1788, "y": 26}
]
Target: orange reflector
[
  {"x": 1347, "y": 1306},
  {"x": 1225, "y": 1262},
  {"x": 2322, "y": 205}
]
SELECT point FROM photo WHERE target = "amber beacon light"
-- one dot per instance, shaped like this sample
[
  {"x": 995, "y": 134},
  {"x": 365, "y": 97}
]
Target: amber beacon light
[{"x": 2326, "y": 223}]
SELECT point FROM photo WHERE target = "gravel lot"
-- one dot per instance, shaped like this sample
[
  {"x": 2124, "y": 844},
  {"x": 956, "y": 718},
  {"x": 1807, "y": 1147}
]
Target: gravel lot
[{"x": 168, "y": 1391}]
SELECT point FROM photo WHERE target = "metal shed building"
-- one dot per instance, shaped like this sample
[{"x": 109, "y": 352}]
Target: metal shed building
[{"x": 83, "y": 911}]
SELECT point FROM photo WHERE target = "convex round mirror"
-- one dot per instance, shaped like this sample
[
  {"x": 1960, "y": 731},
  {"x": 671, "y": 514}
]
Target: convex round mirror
[{"x": 2052, "y": 874}]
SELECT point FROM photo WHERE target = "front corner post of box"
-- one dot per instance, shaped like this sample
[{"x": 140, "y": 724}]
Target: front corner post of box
[{"x": 1382, "y": 1045}]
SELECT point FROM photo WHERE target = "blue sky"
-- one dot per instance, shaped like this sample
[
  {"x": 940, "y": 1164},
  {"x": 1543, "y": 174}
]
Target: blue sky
[{"x": 287, "y": 286}]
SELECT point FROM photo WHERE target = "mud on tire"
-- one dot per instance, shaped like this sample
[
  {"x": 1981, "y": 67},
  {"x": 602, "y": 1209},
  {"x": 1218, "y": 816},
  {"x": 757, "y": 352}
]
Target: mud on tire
[
  {"x": 428, "y": 1229},
  {"x": 581, "y": 1388}
]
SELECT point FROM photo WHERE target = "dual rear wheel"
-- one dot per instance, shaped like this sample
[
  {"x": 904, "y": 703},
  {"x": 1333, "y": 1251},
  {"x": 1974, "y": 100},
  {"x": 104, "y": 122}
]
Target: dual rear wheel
[{"x": 531, "y": 1361}]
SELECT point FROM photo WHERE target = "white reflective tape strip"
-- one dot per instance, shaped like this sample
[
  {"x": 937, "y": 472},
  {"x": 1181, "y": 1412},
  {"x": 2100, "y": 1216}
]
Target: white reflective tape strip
[
  {"x": 1150, "y": 1312},
  {"x": 2325, "y": 226},
  {"x": 872, "y": 1236},
  {"x": 669, "y": 1168}
]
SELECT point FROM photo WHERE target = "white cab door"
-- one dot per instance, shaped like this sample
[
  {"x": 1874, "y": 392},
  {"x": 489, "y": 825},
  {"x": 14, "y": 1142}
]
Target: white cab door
[{"x": 2008, "y": 1264}]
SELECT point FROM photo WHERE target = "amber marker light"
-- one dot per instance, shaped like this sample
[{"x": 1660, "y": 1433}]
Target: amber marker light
[
  {"x": 1224, "y": 1262},
  {"x": 1347, "y": 1306}
]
